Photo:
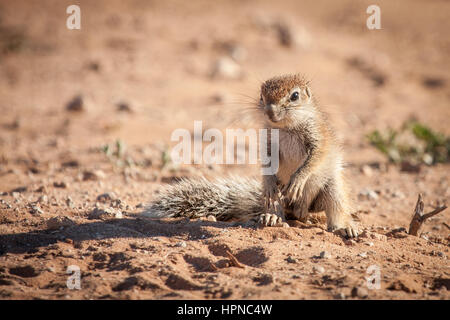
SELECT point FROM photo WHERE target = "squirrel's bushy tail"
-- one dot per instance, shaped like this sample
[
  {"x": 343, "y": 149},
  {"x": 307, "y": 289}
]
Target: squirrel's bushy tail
[{"x": 233, "y": 198}]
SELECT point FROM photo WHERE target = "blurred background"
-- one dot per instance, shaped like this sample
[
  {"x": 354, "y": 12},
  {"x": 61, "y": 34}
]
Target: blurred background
[{"x": 139, "y": 69}]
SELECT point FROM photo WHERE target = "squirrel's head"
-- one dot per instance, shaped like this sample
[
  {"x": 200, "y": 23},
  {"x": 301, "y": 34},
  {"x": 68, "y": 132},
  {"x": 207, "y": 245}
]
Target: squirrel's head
[{"x": 285, "y": 100}]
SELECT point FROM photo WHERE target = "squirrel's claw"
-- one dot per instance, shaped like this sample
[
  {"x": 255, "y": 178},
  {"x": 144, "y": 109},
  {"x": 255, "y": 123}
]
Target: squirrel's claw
[
  {"x": 274, "y": 215},
  {"x": 294, "y": 189},
  {"x": 270, "y": 220},
  {"x": 348, "y": 232}
]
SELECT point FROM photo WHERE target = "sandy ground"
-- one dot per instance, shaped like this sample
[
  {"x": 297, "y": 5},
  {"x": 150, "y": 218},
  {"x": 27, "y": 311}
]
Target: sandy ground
[{"x": 143, "y": 69}]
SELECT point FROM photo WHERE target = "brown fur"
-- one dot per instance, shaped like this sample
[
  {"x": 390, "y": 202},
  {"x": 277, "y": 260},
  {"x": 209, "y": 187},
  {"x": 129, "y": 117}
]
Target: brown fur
[
  {"x": 310, "y": 175},
  {"x": 276, "y": 88}
]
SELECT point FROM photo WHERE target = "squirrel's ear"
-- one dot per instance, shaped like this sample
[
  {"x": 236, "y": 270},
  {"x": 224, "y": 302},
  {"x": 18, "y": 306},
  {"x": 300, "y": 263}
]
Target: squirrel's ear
[{"x": 307, "y": 93}]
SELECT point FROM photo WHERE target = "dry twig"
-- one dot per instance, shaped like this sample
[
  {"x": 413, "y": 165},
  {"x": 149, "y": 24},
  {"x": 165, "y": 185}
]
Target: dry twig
[
  {"x": 213, "y": 266},
  {"x": 233, "y": 260},
  {"x": 419, "y": 218}
]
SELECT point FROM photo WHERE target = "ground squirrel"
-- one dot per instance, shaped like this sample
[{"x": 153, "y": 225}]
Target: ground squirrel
[{"x": 309, "y": 177}]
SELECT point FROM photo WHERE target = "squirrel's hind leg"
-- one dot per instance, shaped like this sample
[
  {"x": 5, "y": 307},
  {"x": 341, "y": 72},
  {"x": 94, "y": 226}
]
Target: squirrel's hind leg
[{"x": 334, "y": 199}]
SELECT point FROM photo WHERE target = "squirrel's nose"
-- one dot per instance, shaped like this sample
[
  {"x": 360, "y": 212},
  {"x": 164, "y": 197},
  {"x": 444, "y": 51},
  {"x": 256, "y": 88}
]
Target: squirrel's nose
[{"x": 270, "y": 110}]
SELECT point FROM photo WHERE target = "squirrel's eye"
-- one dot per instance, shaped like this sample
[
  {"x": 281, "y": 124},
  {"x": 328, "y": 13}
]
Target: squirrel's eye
[{"x": 294, "y": 96}]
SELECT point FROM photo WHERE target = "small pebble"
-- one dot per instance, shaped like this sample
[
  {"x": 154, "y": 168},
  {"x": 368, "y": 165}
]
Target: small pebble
[
  {"x": 291, "y": 260},
  {"x": 360, "y": 292},
  {"x": 76, "y": 104},
  {"x": 226, "y": 68},
  {"x": 105, "y": 213},
  {"x": 70, "y": 203},
  {"x": 61, "y": 184},
  {"x": 43, "y": 199},
  {"x": 93, "y": 175},
  {"x": 398, "y": 194},
  {"x": 124, "y": 107},
  {"x": 318, "y": 269},
  {"x": 362, "y": 254},
  {"x": 367, "y": 194},
  {"x": 181, "y": 244},
  {"x": 59, "y": 222},
  {"x": 36, "y": 210},
  {"x": 367, "y": 170},
  {"x": 106, "y": 197},
  {"x": 340, "y": 296}
]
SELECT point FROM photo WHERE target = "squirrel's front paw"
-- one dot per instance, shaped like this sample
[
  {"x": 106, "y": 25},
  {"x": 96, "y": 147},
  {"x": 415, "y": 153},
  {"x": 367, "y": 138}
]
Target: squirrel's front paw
[
  {"x": 270, "y": 196},
  {"x": 271, "y": 192},
  {"x": 348, "y": 231},
  {"x": 294, "y": 189},
  {"x": 271, "y": 220}
]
